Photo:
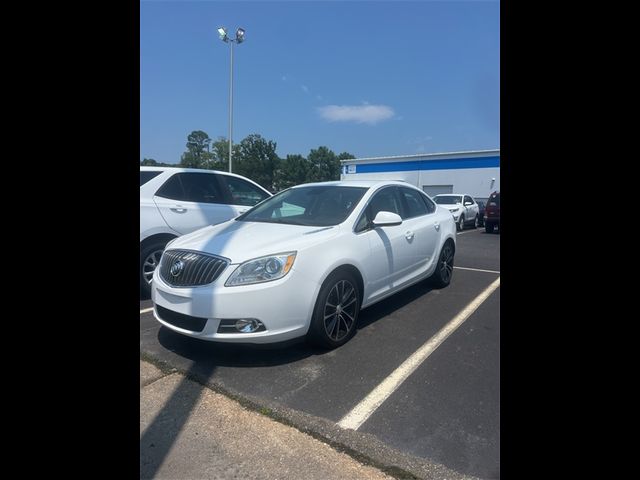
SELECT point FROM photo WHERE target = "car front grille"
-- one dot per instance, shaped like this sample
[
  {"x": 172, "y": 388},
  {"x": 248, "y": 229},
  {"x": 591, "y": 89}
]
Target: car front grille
[
  {"x": 184, "y": 268},
  {"x": 180, "y": 320}
]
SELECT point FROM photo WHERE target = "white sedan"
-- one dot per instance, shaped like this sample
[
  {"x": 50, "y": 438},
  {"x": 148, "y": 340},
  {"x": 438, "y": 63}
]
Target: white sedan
[{"x": 303, "y": 263}]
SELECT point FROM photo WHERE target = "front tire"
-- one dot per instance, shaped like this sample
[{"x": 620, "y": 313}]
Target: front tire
[
  {"x": 476, "y": 222},
  {"x": 335, "y": 316},
  {"x": 444, "y": 269},
  {"x": 149, "y": 261},
  {"x": 460, "y": 224}
]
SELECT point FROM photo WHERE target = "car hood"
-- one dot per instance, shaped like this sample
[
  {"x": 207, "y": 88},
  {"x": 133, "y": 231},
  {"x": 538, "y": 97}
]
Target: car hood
[
  {"x": 451, "y": 207},
  {"x": 242, "y": 241}
]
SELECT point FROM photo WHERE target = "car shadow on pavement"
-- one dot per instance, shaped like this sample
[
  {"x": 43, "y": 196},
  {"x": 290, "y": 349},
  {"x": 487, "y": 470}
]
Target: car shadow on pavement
[
  {"x": 162, "y": 433},
  {"x": 235, "y": 355},
  {"x": 393, "y": 303}
]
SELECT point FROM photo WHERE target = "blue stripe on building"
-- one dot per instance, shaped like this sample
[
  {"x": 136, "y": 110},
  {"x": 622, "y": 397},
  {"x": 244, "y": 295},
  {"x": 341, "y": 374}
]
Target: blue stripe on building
[{"x": 447, "y": 164}]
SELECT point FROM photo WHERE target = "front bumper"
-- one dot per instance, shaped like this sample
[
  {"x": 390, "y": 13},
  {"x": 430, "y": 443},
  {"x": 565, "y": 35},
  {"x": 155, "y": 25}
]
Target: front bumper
[{"x": 284, "y": 306}]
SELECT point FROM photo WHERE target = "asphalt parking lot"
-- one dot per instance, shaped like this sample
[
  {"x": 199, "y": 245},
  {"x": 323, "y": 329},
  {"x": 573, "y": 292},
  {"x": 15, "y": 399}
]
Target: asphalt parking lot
[{"x": 447, "y": 409}]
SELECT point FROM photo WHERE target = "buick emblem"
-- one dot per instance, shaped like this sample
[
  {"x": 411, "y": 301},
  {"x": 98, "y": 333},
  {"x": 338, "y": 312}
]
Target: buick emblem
[{"x": 177, "y": 268}]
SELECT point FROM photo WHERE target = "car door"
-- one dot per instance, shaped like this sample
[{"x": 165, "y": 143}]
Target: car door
[
  {"x": 389, "y": 256},
  {"x": 423, "y": 230},
  {"x": 191, "y": 200},
  {"x": 241, "y": 194}
]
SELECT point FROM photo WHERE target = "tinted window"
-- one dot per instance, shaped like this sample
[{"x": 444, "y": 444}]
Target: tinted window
[
  {"x": 319, "y": 206},
  {"x": 447, "y": 199},
  {"x": 494, "y": 199},
  {"x": 146, "y": 176},
  {"x": 242, "y": 192},
  {"x": 414, "y": 205},
  {"x": 172, "y": 189},
  {"x": 385, "y": 200},
  {"x": 192, "y": 187},
  {"x": 201, "y": 188},
  {"x": 467, "y": 198},
  {"x": 431, "y": 207}
]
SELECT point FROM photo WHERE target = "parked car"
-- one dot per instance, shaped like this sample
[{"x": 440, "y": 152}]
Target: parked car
[
  {"x": 481, "y": 206},
  {"x": 303, "y": 263},
  {"x": 492, "y": 213},
  {"x": 463, "y": 207},
  {"x": 176, "y": 201}
]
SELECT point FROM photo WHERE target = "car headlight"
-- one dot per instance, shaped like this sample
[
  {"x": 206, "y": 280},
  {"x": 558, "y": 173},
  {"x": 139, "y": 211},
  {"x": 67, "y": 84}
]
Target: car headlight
[
  {"x": 454, "y": 210},
  {"x": 263, "y": 269}
]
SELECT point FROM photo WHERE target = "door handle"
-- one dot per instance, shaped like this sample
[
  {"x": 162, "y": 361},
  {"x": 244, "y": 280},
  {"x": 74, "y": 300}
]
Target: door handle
[
  {"x": 436, "y": 226},
  {"x": 240, "y": 212},
  {"x": 409, "y": 235},
  {"x": 178, "y": 209}
]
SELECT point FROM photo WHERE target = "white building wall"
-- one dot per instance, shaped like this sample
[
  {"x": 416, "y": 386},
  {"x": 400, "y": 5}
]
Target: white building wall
[{"x": 477, "y": 182}]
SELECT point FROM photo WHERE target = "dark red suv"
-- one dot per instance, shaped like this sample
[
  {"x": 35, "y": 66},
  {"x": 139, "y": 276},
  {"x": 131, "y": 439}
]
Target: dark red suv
[{"x": 492, "y": 213}]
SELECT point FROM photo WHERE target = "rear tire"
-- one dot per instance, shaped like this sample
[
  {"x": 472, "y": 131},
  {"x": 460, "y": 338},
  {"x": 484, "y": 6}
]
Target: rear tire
[
  {"x": 335, "y": 316},
  {"x": 149, "y": 261},
  {"x": 444, "y": 269},
  {"x": 488, "y": 227}
]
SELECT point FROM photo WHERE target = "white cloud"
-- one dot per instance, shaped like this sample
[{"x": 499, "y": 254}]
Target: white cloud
[
  {"x": 304, "y": 88},
  {"x": 369, "y": 114}
]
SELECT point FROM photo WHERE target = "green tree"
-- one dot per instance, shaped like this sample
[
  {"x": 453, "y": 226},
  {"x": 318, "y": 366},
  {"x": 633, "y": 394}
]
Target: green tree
[
  {"x": 324, "y": 165},
  {"x": 293, "y": 170},
  {"x": 149, "y": 162},
  {"x": 197, "y": 154},
  {"x": 219, "y": 159},
  {"x": 257, "y": 159}
]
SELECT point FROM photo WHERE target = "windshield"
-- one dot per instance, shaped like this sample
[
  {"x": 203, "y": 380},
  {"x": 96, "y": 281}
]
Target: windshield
[
  {"x": 447, "y": 199},
  {"x": 317, "y": 206}
]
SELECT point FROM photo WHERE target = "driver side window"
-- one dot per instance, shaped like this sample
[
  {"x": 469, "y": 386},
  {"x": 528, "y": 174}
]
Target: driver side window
[{"x": 385, "y": 200}]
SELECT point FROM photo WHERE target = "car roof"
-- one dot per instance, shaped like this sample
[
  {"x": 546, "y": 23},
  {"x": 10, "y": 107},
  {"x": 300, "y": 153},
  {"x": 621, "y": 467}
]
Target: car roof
[
  {"x": 357, "y": 183},
  {"x": 151, "y": 168}
]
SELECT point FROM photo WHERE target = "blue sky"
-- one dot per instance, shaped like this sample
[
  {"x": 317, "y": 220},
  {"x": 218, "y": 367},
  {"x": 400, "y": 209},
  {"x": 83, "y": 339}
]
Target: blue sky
[{"x": 366, "y": 77}]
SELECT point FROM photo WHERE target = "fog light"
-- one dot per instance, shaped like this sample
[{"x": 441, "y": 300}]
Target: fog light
[
  {"x": 242, "y": 325},
  {"x": 248, "y": 325}
]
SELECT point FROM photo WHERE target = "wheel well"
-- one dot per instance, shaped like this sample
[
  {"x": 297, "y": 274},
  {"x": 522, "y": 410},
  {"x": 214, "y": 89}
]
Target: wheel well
[
  {"x": 164, "y": 237},
  {"x": 453, "y": 245},
  {"x": 355, "y": 272}
]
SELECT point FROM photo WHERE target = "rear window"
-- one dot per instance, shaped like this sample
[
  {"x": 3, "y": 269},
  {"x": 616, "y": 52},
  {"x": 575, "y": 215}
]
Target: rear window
[
  {"x": 147, "y": 175},
  {"x": 494, "y": 200}
]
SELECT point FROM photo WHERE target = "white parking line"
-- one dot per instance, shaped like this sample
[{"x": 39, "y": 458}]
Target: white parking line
[
  {"x": 469, "y": 231},
  {"x": 477, "y": 270},
  {"x": 361, "y": 412},
  {"x": 145, "y": 310}
]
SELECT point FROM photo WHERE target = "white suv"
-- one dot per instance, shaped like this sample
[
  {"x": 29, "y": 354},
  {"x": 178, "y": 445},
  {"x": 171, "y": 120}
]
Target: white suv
[
  {"x": 176, "y": 201},
  {"x": 464, "y": 208}
]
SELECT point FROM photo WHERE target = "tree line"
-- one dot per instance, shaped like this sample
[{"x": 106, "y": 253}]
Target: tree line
[{"x": 255, "y": 157}]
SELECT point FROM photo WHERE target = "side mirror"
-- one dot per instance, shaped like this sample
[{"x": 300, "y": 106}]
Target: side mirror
[
  {"x": 386, "y": 219},
  {"x": 467, "y": 203}
]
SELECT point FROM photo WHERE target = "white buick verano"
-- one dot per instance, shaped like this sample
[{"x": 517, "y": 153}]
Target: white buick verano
[{"x": 303, "y": 263}]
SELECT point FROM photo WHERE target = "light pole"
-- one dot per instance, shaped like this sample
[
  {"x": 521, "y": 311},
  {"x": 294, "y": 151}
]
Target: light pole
[{"x": 222, "y": 31}]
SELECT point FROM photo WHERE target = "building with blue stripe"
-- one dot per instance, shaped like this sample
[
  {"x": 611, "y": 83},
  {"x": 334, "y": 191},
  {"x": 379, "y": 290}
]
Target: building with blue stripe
[{"x": 476, "y": 173}]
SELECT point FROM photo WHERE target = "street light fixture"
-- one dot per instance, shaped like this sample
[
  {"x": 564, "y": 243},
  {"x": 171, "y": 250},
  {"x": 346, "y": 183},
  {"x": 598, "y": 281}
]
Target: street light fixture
[{"x": 222, "y": 32}]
